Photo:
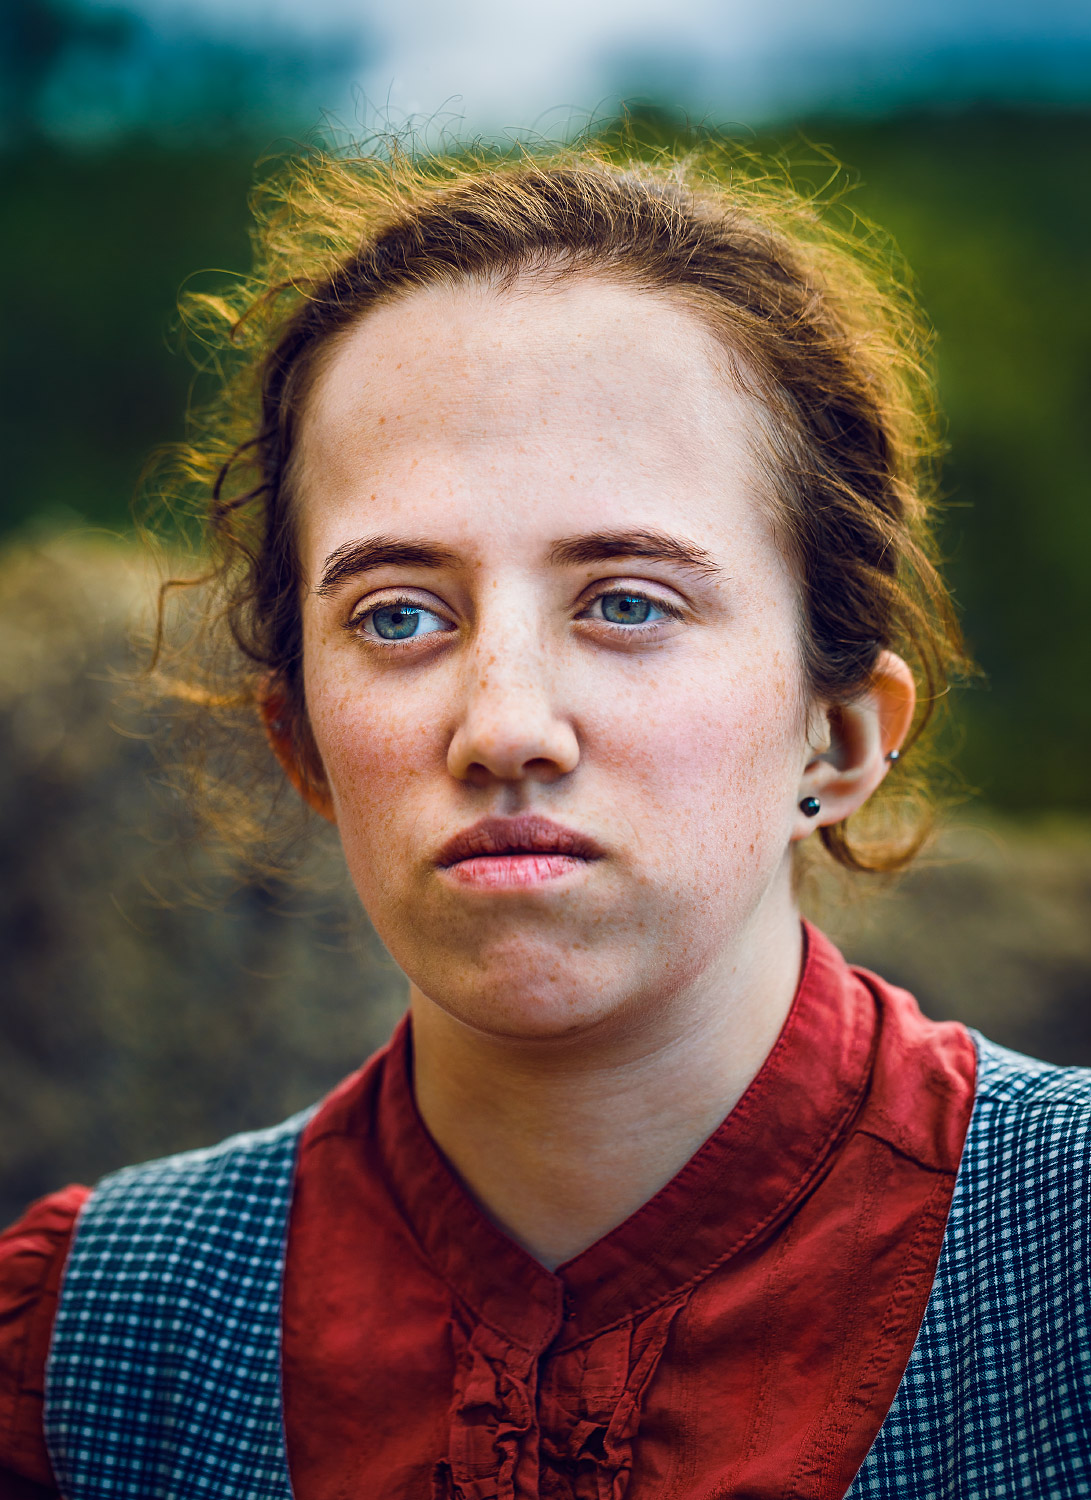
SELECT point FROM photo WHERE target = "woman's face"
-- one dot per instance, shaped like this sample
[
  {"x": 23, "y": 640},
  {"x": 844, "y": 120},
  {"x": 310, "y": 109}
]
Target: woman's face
[{"x": 551, "y": 651}]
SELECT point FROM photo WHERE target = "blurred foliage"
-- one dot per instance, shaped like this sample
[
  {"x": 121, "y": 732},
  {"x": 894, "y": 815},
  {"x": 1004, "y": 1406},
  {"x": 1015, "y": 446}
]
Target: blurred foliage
[
  {"x": 990, "y": 208},
  {"x": 93, "y": 73},
  {"x": 994, "y": 215},
  {"x": 37, "y": 37}
]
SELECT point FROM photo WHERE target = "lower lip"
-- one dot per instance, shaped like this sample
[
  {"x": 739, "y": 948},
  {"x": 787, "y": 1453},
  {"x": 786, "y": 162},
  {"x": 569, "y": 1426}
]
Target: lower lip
[{"x": 494, "y": 872}]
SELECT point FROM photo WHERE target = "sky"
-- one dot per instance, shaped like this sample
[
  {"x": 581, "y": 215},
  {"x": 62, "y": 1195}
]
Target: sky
[
  {"x": 507, "y": 65},
  {"x": 518, "y": 64}
]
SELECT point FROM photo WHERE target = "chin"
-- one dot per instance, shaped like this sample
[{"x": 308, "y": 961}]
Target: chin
[
  {"x": 533, "y": 993},
  {"x": 532, "y": 1018}
]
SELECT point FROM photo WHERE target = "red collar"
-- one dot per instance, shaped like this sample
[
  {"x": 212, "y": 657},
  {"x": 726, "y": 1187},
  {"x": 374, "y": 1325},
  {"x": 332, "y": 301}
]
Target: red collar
[{"x": 750, "y": 1173}]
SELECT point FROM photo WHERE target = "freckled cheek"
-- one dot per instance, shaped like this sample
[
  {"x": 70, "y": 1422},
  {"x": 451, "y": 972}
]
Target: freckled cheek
[
  {"x": 377, "y": 749},
  {"x": 715, "y": 761}
]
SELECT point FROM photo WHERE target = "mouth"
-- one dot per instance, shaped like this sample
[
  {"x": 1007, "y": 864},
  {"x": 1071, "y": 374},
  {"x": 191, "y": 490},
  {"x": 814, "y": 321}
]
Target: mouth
[{"x": 518, "y": 852}]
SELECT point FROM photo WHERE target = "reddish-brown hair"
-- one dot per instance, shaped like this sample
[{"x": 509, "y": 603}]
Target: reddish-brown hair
[{"x": 815, "y": 323}]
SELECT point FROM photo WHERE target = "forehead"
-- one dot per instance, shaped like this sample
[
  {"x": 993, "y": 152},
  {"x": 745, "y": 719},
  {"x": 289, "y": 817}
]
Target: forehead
[{"x": 613, "y": 395}]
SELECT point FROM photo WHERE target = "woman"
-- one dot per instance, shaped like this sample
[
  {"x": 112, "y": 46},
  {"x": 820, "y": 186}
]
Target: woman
[{"x": 578, "y": 558}]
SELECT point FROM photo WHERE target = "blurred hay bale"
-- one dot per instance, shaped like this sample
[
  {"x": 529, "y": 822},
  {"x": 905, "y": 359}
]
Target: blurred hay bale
[
  {"x": 993, "y": 928},
  {"x": 134, "y": 1022}
]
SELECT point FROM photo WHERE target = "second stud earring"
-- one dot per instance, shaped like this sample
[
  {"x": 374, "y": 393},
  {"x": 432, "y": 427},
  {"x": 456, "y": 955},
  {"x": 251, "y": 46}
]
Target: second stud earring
[{"x": 810, "y": 807}]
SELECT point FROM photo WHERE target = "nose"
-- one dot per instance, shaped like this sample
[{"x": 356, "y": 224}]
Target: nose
[{"x": 510, "y": 728}]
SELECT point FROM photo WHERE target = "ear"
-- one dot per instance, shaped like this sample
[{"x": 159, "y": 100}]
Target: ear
[
  {"x": 278, "y": 720},
  {"x": 855, "y": 740}
]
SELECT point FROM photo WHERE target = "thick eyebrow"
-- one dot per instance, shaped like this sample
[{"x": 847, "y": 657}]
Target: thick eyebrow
[
  {"x": 605, "y": 546},
  {"x": 368, "y": 553}
]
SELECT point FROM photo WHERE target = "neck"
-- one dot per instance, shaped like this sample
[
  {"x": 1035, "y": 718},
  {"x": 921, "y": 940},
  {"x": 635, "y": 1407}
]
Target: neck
[{"x": 561, "y": 1140}]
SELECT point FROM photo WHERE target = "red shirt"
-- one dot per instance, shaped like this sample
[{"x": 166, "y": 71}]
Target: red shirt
[{"x": 742, "y": 1334}]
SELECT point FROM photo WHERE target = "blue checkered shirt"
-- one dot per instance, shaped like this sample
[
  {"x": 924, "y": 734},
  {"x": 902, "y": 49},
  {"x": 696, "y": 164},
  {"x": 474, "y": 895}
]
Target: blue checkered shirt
[{"x": 164, "y": 1373}]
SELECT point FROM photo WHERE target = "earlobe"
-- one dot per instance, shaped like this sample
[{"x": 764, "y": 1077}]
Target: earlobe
[
  {"x": 278, "y": 719},
  {"x": 864, "y": 736}
]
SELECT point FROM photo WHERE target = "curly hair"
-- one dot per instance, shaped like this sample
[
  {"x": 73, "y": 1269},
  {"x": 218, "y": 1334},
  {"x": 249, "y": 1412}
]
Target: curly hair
[{"x": 820, "y": 327}]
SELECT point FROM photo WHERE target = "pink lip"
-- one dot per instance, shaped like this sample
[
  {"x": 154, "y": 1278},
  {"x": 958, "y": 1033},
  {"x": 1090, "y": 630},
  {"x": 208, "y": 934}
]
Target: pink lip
[{"x": 519, "y": 852}]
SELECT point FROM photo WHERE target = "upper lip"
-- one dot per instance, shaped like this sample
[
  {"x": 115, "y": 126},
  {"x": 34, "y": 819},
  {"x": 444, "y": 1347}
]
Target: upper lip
[{"x": 525, "y": 834}]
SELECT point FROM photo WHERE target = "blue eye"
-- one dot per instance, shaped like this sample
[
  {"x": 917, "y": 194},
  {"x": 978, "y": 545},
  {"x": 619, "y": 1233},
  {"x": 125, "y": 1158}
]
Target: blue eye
[
  {"x": 400, "y": 622},
  {"x": 628, "y": 609}
]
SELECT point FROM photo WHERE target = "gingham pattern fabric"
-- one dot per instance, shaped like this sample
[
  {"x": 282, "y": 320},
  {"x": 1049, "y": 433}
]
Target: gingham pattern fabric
[
  {"x": 996, "y": 1399},
  {"x": 164, "y": 1376},
  {"x": 163, "y": 1380}
]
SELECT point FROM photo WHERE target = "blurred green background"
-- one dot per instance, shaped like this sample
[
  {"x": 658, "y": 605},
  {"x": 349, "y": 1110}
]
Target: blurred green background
[{"x": 134, "y": 1023}]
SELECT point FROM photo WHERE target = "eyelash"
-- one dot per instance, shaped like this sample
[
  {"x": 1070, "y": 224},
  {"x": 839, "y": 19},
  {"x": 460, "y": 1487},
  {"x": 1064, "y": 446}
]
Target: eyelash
[
  {"x": 356, "y": 622},
  {"x": 669, "y": 611}
]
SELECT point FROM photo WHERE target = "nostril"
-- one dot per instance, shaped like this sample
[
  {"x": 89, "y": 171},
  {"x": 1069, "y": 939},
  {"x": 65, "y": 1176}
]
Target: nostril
[
  {"x": 514, "y": 740},
  {"x": 542, "y": 769},
  {"x": 539, "y": 768},
  {"x": 477, "y": 774}
]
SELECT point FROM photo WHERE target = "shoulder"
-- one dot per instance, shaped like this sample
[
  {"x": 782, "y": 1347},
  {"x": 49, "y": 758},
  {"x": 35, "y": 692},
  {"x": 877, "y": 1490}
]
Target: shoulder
[
  {"x": 206, "y": 1204},
  {"x": 32, "y": 1257},
  {"x": 172, "y": 1298},
  {"x": 239, "y": 1162},
  {"x": 999, "y": 1381},
  {"x": 1026, "y": 1108},
  {"x": 33, "y": 1253},
  {"x": 1026, "y": 1085},
  {"x": 31, "y": 1244},
  {"x": 189, "y": 1233},
  {"x": 1031, "y": 1125},
  {"x": 235, "y": 1193}
]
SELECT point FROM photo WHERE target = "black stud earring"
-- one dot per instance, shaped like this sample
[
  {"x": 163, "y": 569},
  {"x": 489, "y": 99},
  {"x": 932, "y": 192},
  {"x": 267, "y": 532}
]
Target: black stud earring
[{"x": 810, "y": 807}]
